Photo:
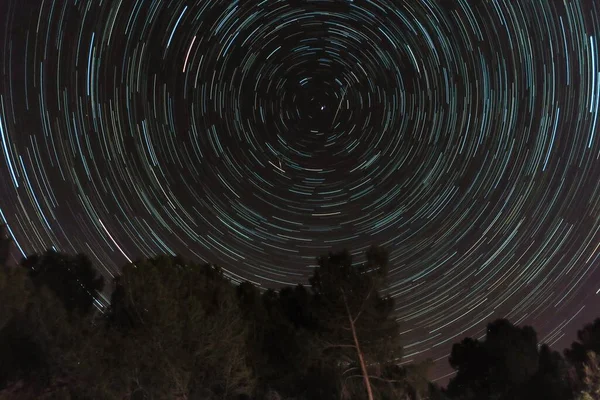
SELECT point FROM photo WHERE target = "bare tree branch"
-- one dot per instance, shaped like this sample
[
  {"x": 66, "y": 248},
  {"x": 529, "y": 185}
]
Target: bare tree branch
[{"x": 358, "y": 351}]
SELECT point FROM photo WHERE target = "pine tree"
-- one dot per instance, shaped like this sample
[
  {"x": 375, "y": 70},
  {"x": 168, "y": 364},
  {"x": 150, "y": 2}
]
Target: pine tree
[
  {"x": 591, "y": 378},
  {"x": 360, "y": 336}
]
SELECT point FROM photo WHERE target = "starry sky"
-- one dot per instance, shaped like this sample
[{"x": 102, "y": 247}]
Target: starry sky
[{"x": 462, "y": 135}]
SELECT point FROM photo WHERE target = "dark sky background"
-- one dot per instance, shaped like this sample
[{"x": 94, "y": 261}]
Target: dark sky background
[{"x": 461, "y": 135}]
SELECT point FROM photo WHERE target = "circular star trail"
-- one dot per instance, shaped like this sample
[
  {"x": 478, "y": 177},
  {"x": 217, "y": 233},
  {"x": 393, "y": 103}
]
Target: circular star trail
[{"x": 461, "y": 135}]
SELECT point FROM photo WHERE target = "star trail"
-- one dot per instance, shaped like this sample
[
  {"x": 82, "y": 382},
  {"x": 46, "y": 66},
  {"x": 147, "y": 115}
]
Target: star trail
[{"x": 463, "y": 136}]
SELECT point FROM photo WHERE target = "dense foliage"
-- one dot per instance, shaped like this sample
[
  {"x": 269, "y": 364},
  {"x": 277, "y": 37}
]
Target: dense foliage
[{"x": 180, "y": 330}]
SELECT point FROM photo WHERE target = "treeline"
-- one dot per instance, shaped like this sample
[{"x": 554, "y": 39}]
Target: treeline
[{"x": 180, "y": 330}]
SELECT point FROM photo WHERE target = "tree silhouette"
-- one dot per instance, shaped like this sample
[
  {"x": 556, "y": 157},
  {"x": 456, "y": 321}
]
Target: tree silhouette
[
  {"x": 588, "y": 340},
  {"x": 180, "y": 330},
  {"x": 360, "y": 334},
  {"x": 551, "y": 380},
  {"x": 174, "y": 330},
  {"x": 496, "y": 367},
  {"x": 19, "y": 355},
  {"x": 281, "y": 330},
  {"x": 6, "y": 247},
  {"x": 38, "y": 340},
  {"x": 591, "y": 378},
  {"x": 73, "y": 279}
]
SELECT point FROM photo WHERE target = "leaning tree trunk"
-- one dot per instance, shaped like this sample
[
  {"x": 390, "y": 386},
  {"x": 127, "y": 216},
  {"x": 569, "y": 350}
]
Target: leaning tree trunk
[{"x": 361, "y": 359}]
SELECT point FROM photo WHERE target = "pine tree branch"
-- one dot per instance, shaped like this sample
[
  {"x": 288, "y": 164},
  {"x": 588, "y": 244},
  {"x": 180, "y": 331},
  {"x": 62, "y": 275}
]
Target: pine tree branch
[
  {"x": 378, "y": 378},
  {"x": 331, "y": 345},
  {"x": 349, "y": 369}
]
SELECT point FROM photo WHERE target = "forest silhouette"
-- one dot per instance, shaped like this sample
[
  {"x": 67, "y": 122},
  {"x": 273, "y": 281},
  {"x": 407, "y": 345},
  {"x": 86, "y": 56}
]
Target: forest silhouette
[{"x": 175, "y": 329}]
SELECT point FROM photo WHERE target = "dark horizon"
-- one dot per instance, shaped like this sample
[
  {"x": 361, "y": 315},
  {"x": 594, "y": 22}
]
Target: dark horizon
[{"x": 462, "y": 136}]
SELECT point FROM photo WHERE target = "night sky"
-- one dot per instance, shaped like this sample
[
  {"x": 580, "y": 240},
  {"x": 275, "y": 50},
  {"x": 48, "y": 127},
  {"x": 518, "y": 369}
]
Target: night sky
[{"x": 462, "y": 135}]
